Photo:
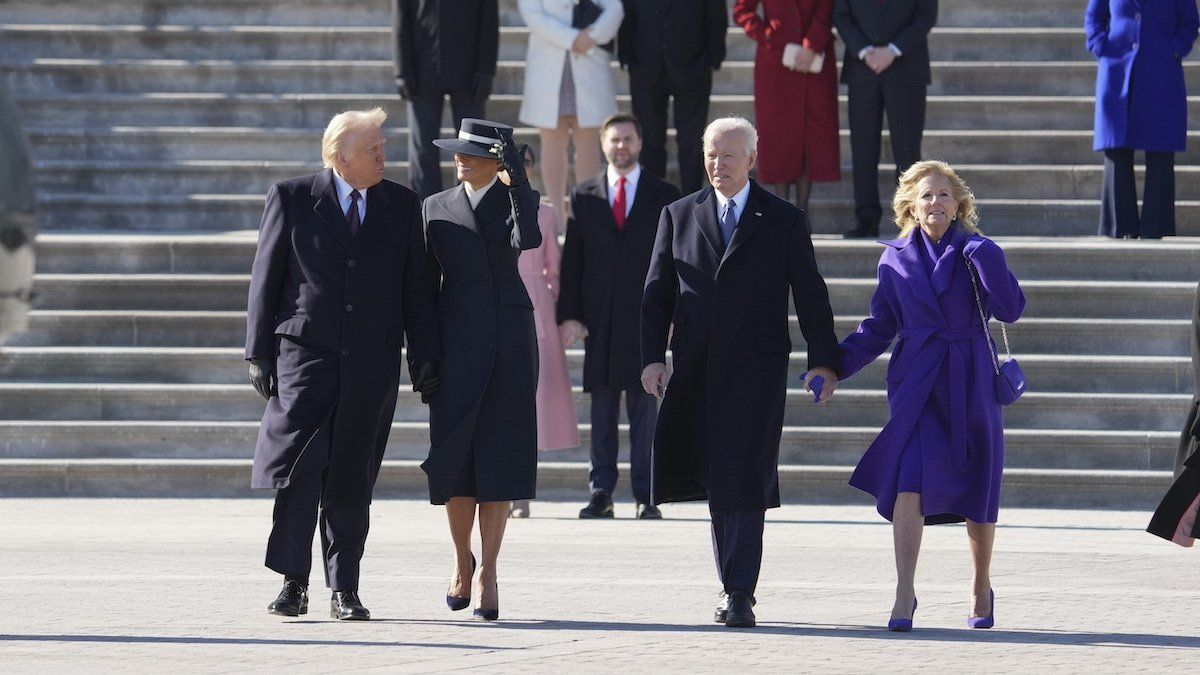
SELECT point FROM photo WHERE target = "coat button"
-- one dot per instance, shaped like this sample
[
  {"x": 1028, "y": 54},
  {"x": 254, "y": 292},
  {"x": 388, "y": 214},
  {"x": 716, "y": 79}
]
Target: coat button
[
  {"x": 349, "y": 308},
  {"x": 1137, "y": 17},
  {"x": 345, "y": 352},
  {"x": 1135, "y": 46},
  {"x": 351, "y": 263}
]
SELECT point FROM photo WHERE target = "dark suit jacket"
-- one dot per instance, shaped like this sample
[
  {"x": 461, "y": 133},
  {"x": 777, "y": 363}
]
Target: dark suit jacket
[
  {"x": 333, "y": 311},
  {"x": 603, "y": 272},
  {"x": 722, "y": 416},
  {"x": 904, "y": 23},
  {"x": 686, "y": 37},
  {"x": 443, "y": 44}
]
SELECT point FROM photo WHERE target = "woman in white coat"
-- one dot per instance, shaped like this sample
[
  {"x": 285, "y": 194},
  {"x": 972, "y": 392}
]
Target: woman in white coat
[{"x": 568, "y": 88}]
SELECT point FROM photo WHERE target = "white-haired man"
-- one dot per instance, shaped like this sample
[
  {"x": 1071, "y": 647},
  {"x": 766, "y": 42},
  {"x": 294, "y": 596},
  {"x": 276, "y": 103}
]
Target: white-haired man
[
  {"x": 338, "y": 279},
  {"x": 724, "y": 259}
]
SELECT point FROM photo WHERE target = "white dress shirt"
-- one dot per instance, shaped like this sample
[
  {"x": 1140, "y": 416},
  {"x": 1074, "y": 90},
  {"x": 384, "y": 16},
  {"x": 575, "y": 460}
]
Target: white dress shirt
[
  {"x": 631, "y": 183},
  {"x": 739, "y": 202},
  {"x": 343, "y": 193},
  {"x": 475, "y": 196}
]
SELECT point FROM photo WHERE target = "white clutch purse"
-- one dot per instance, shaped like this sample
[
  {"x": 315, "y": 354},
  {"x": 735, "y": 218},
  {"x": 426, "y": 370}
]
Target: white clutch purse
[{"x": 789, "y": 56}]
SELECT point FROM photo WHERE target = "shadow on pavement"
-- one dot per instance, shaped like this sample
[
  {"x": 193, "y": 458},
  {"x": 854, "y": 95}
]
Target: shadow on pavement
[{"x": 192, "y": 640}]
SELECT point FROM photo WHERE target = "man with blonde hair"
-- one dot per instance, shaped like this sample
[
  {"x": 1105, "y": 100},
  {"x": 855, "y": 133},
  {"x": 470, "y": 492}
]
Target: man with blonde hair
[
  {"x": 339, "y": 280},
  {"x": 724, "y": 260}
]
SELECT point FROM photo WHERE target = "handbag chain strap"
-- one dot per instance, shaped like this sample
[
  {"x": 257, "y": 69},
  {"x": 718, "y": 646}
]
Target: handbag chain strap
[{"x": 983, "y": 318}]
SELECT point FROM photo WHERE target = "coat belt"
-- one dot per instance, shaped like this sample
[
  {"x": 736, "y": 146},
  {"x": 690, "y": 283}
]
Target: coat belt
[{"x": 958, "y": 376}]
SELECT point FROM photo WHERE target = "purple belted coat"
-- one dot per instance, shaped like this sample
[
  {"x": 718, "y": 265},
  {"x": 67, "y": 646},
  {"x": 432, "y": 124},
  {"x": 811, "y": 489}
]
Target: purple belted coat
[{"x": 940, "y": 381}]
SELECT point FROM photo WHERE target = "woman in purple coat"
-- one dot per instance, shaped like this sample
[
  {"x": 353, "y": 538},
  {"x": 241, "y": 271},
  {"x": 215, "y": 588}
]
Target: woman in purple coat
[
  {"x": 940, "y": 457},
  {"x": 1141, "y": 104}
]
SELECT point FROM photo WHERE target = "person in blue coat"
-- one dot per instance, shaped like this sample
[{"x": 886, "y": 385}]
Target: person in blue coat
[{"x": 1141, "y": 104}]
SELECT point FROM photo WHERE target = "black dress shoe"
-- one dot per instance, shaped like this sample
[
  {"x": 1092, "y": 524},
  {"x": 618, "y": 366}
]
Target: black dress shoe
[
  {"x": 740, "y": 613},
  {"x": 863, "y": 232},
  {"x": 601, "y": 506},
  {"x": 647, "y": 511},
  {"x": 292, "y": 600},
  {"x": 455, "y": 602},
  {"x": 345, "y": 606},
  {"x": 488, "y": 614},
  {"x": 721, "y": 611}
]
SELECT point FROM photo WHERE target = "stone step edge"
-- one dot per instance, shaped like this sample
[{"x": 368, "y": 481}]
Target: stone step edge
[{"x": 404, "y": 479}]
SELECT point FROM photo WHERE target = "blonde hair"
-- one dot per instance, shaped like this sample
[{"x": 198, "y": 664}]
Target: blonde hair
[
  {"x": 905, "y": 199},
  {"x": 342, "y": 124},
  {"x": 725, "y": 124}
]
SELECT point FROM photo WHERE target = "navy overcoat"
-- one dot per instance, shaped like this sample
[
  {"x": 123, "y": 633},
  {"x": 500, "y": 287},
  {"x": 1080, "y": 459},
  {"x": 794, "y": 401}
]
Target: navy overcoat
[
  {"x": 722, "y": 416},
  {"x": 1141, "y": 98},
  {"x": 483, "y": 418},
  {"x": 333, "y": 309}
]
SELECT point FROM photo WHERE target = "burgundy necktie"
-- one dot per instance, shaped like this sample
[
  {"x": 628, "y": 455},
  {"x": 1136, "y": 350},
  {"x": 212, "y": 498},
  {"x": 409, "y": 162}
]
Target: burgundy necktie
[
  {"x": 352, "y": 216},
  {"x": 618, "y": 207}
]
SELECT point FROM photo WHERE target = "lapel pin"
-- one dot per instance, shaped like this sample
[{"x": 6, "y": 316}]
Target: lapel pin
[{"x": 758, "y": 213}]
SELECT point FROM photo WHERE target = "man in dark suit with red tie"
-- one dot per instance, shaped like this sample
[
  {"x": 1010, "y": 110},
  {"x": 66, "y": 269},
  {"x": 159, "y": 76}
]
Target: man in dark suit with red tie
[
  {"x": 610, "y": 233},
  {"x": 339, "y": 280}
]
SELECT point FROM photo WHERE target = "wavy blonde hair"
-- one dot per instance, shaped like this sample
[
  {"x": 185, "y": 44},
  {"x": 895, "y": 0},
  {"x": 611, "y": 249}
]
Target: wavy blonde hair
[{"x": 905, "y": 200}]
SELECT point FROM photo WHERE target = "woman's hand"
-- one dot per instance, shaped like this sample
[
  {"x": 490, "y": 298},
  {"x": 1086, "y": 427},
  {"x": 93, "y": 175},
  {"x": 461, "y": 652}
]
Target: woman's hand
[
  {"x": 583, "y": 43},
  {"x": 572, "y": 331},
  {"x": 654, "y": 379},
  {"x": 803, "y": 60}
]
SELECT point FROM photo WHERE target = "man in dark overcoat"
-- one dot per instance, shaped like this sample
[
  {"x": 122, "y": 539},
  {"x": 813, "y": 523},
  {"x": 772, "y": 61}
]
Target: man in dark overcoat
[
  {"x": 339, "y": 279},
  {"x": 442, "y": 48},
  {"x": 723, "y": 261},
  {"x": 671, "y": 48},
  {"x": 610, "y": 233},
  {"x": 886, "y": 69}
]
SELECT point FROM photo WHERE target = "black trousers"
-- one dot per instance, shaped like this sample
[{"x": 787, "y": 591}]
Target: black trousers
[
  {"x": 1118, "y": 196},
  {"x": 737, "y": 548},
  {"x": 424, "y": 125},
  {"x": 650, "y": 90},
  {"x": 642, "y": 409},
  {"x": 904, "y": 104}
]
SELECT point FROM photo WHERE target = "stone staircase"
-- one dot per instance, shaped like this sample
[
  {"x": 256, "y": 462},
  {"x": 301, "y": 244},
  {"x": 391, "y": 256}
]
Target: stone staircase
[{"x": 157, "y": 126}]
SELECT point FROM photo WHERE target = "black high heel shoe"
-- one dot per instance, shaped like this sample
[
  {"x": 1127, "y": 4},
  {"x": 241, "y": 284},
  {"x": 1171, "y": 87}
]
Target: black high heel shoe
[
  {"x": 456, "y": 603},
  {"x": 489, "y": 614}
]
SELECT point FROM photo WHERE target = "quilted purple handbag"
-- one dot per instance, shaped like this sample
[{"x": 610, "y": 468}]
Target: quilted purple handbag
[{"x": 1010, "y": 381}]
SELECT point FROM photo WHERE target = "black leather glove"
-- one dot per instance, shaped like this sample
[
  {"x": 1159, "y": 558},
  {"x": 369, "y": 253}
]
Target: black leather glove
[
  {"x": 481, "y": 86},
  {"x": 406, "y": 87},
  {"x": 264, "y": 378},
  {"x": 425, "y": 379},
  {"x": 513, "y": 159}
]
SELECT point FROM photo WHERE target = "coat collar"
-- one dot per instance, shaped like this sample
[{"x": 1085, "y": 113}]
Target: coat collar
[
  {"x": 454, "y": 201},
  {"x": 706, "y": 216},
  {"x": 928, "y": 287},
  {"x": 329, "y": 208},
  {"x": 751, "y": 218}
]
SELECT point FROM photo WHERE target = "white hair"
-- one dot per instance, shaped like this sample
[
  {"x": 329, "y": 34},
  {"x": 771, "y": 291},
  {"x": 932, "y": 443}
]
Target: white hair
[
  {"x": 723, "y": 125},
  {"x": 342, "y": 124}
]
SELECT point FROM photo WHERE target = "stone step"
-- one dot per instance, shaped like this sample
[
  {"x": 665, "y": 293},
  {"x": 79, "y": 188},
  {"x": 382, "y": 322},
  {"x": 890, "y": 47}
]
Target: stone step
[
  {"x": 558, "y": 480},
  {"x": 1049, "y": 258},
  {"x": 1098, "y": 299},
  {"x": 127, "y": 143},
  {"x": 47, "y": 75},
  {"x": 312, "y": 108},
  {"x": 854, "y": 407},
  {"x": 181, "y": 365},
  {"x": 825, "y": 446},
  {"x": 1131, "y": 337},
  {"x": 141, "y": 41}
]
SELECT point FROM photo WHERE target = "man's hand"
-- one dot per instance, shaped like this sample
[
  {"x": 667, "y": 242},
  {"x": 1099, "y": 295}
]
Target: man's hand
[
  {"x": 879, "y": 59},
  {"x": 406, "y": 87},
  {"x": 654, "y": 379},
  {"x": 583, "y": 42},
  {"x": 572, "y": 331},
  {"x": 264, "y": 378},
  {"x": 425, "y": 379},
  {"x": 828, "y": 387}
]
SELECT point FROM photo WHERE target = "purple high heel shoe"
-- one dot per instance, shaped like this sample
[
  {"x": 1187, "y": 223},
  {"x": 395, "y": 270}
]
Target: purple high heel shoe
[
  {"x": 902, "y": 625},
  {"x": 985, "y": 621}
]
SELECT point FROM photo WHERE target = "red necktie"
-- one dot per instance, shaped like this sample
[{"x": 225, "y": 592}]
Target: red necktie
[{"x": 618, "y": 207}]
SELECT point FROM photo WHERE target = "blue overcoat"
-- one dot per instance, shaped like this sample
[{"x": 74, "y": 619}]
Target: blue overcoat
[
  {"x": 940, "y": 380},
  {"x": 1141, "y": 97}
]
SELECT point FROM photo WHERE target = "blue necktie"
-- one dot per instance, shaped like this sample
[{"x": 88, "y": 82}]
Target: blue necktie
[{"x": 728, "y": 223}]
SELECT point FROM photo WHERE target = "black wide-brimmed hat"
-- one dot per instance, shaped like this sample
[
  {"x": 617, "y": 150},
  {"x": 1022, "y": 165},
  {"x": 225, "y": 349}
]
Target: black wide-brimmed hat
[{"x": 475, "y": 137}]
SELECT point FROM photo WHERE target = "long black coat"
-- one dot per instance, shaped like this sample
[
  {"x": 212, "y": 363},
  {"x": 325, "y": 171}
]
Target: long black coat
[
  {"x": 484, "y": 416},
  {"x": 684, "y": 37},
  {"x": 904, "y": 23},
  {"x": 333, "y": 310},
  {"x": 603, "y": 272},
  {"x": 1187, "y": 460},
  {"x": 442, "y": 44},
  {"x": 720, "y": 422}
]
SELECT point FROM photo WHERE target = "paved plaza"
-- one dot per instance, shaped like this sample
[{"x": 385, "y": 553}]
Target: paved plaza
[{"x": 178, "y": 585}]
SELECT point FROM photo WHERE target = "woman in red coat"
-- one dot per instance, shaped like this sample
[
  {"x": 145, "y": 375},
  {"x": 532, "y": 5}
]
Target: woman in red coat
[{"x": 795, "y": 110}]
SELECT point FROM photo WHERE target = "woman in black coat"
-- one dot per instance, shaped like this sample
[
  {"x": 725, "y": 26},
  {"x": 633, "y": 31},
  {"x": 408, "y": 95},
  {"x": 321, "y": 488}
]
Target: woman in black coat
[
  {"x": 1176, "y": 518},
  {"x": 482, "y": 418}
]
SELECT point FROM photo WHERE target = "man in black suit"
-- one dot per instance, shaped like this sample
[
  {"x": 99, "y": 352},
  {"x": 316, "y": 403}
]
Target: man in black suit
[
  {"x": 442, "y": 48},
  {"x": 610, "y": 233},
  {"x": 723, "y": 262},
  {"x": 339, "y": 279},
  {"x": 886, "y": 69},
  {"x": 671, "y": 48}
]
